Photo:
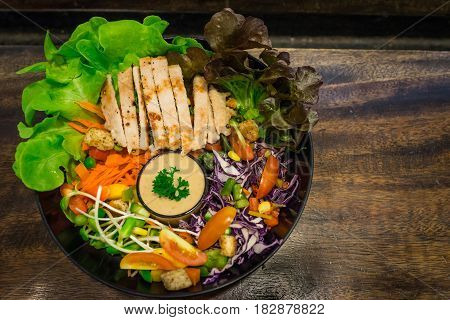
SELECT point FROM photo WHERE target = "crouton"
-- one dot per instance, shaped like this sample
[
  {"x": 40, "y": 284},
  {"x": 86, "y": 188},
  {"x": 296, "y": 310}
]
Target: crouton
[
  {"x": 119, "y": 205},
  {"x": 176, "y": 280},
  {"x": 249, "y": 130},
  {"x": 228, "y": 245},
  {"x": 99, "y": 138}
]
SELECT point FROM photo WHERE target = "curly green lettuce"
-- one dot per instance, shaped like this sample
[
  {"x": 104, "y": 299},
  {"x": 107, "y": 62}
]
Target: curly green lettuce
[{"x": 76, "y": 72}]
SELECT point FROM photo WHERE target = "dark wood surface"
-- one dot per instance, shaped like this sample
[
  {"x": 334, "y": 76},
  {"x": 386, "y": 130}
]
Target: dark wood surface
[
  {"x": 343, "y": 24},
  {"x": 359, "y": 7},
  {"x": 377, "y": 221}
]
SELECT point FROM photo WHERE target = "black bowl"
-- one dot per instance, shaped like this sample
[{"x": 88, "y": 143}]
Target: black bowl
[{"x": 105, "y": 268}]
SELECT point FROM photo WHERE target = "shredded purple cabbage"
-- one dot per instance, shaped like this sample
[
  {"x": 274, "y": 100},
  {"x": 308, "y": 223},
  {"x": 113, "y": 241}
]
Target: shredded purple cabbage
[{"x": 252, "y": 234}]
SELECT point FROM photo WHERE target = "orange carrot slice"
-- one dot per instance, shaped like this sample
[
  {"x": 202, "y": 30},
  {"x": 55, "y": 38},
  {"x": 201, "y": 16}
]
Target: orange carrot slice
[
  {"x": 89, "y": 124},
  {"x": 77, "y": 127},
  {"x": 91, "y": 108},
  {"x": 194, "y": 275},
  {"x": 82, "y": 171}
]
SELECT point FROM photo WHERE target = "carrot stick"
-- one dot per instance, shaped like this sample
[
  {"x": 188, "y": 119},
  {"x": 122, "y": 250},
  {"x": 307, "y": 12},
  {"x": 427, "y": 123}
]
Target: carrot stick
[
  {"x": 84, "y": 146},
  {"x": 81, "y": 171},
  {"x": 194, "y": 275},
  {"x": 89, "y": 124},
  {"x": 91, "y": 108},
  {"x": 77, "y": 127},
  {"x": 115, "y": 160}
]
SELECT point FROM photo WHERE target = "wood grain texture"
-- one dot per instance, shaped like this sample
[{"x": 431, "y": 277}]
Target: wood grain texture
[
  {"x": 377, "y": 221},
  {"x": 359, "y": 7}
]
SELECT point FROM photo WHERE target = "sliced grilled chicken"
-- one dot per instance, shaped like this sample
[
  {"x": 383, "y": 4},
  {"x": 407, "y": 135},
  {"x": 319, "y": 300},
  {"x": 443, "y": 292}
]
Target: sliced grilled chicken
[
  {"x": 166, "y": 99},
  {"x": 181, "y": 99},
  {"x": 212, "y": 132},
  {"x": 222, "y": 114},
  {"x": 113, "y": 119},
  {"x": 128, "y": 108},
  {"x": 201, "y": 107},
  {"x": 143, "y": 124},
  {"x": 154, "y": 114}
]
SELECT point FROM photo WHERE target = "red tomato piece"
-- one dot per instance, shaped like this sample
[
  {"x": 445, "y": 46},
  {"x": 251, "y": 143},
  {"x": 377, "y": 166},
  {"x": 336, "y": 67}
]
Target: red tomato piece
[
  {"x": 180, "y": 249},
  {"x": 269, "y": 177}
]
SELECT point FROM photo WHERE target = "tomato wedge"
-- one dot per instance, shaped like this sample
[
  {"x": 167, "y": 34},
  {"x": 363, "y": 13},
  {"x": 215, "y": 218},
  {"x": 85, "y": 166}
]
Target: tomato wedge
[
  {"x": 243, "y": 150},
  {"x": 216, "y": 227},
  {"x": 269, "y": 177},
  {"x": 77, "y": 202},
  {"x": 180, "y": 249},
  {"x": 193, "y": 274},
  {"x": 145, "y": 261},
  {"x": 98, "y": 154},
  {"x": 161, "y": 252}
]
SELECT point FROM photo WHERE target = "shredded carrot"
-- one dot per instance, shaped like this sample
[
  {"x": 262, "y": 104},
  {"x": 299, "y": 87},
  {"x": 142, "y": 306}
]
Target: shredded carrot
[
  {"x": 77, "y": 127},
  {"x": 89, "y": 124},
  {"x": 118, "y": 168},
  {"x": 116, "y": 159},
  {"x": 91, "y": 108},
  {"x": 84, "y": 146},
  {"x": 81, "y": 171}
]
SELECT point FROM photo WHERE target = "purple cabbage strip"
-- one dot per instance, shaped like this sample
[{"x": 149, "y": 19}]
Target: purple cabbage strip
[{"x": 252, "y": 235}]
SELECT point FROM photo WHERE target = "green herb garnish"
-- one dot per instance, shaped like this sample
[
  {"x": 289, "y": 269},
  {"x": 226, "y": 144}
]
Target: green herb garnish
[{"x": 164, "y": 186}]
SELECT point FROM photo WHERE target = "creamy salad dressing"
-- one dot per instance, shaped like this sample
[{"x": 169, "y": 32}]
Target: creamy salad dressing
[{"x": 189, "y": 170}]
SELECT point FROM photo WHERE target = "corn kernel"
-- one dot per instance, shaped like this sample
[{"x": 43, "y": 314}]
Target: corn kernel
[
  {"x": 259, "y": 215},
  {"x": 139, "y": 231},
  {"x": 264, "y": 207},
  {"x": 231, "y": 103},
  {"x": 233, "y": 156},
  {"x": 116, "y": 190},
  {"x": 156, "y": 275},
  {"x": 279, "y": 183}
]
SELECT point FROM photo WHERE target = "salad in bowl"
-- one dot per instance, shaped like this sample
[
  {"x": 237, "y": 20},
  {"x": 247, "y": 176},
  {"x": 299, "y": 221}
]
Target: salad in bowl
[{"x": 173, "y": 156}]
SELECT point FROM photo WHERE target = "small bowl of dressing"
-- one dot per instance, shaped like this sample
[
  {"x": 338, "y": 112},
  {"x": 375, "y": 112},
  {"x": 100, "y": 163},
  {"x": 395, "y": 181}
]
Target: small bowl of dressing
[{"x": 161, "y": 207}]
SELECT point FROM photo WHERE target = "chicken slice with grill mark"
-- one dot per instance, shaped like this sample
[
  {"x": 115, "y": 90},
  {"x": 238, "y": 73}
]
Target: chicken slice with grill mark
[
  {"x": 110, "y": 108},
  {"x": 128, "y": 109},
  {"x": 222, "y": 114},
  {"x": 201, "y": 106},
  {"x": 213, "y": 136},
  {"x": 143, "y": 124},
  {"x": 181, "y": 99},
  {"x": 166, "y": 99},
  {"x": 154, "y": 114}
]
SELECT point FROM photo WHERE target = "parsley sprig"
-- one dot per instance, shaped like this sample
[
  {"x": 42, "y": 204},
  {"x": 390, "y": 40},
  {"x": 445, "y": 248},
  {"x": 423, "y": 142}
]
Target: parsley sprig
[{"x": 164, "y": 186}]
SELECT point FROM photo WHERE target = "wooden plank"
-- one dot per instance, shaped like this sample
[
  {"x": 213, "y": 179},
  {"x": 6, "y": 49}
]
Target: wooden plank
[
  {"x": 359, "y": 7},
  {"x": 376, "y": 224}
]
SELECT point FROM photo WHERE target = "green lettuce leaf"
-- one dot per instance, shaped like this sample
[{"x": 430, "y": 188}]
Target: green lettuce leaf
[
  {"x": 76, "y": 72},
  {"x": 39, "y": 163},
  {"x": 51, "y": 146},
  {"x": 55, "y": 126}
]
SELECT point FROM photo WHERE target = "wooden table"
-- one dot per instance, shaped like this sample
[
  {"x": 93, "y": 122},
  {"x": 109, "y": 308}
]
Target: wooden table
[{"x": 377, "y": 221}]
